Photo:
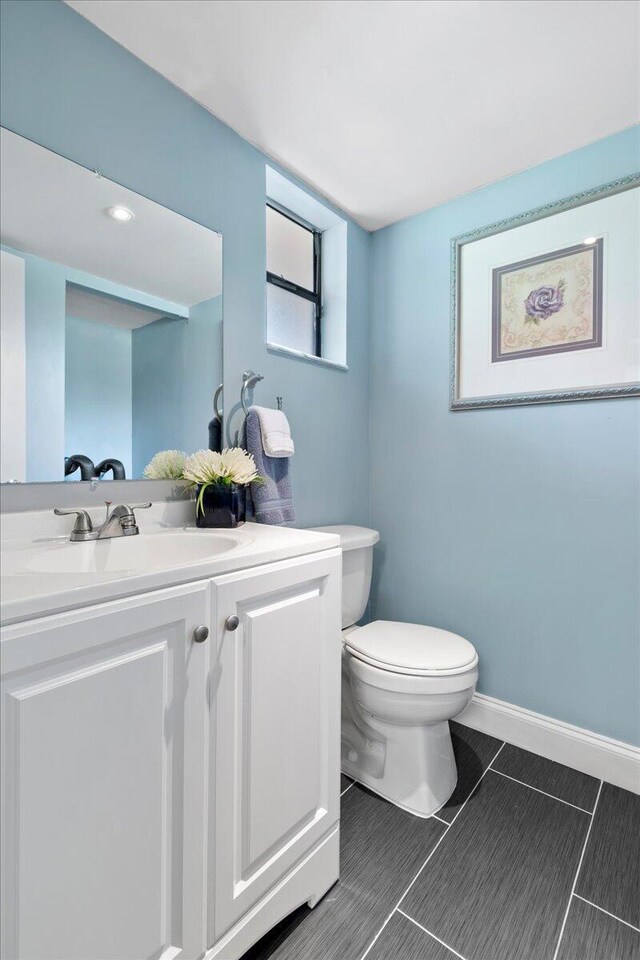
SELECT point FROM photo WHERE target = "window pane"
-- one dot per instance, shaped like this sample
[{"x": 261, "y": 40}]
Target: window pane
[
  {"x": 289, "y": 250},
  {"x": 290, "y": 320}
]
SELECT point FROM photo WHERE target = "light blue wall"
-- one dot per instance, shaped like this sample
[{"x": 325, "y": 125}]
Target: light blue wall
[
  {"x": 158, "y": 410},
  {"x": 44, "y": 308},
  {"x": 202, "y": 371},
  {"x": 176, "y": 369},
  {"x": 516, "y": 527},
  {"x": 97, "y": 386},
  {"x": 69, "y": 87}
]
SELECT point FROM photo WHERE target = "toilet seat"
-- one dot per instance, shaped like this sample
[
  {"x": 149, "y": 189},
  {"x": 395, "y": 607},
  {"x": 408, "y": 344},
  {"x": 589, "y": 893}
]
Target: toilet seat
[{"x": 411, "y": 649}]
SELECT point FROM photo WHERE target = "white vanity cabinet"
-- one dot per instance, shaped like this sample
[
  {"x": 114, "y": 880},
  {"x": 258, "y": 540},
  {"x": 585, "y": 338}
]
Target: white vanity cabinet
[
  {"x": 163, "y": 797},
  {"x": 275, "y": 723},
  {"x": 103, "y": 780}
]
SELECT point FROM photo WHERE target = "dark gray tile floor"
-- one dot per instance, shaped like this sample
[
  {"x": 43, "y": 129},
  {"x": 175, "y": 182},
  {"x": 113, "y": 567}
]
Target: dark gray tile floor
[
  {"x": 512, "y": 848},
  {"x": 591, "y": 934},
  {"x": 504, "y": 871},
  {"x": 614, "y": 850}
]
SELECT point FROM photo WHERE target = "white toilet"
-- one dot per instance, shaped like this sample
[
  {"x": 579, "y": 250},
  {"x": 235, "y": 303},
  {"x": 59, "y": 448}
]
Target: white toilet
[{"x": 401, "y": 684}]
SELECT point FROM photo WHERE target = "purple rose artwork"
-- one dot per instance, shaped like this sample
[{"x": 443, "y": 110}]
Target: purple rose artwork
[
  {"x": 548, "y": 304},
  {"x": 544, "y": 302}
]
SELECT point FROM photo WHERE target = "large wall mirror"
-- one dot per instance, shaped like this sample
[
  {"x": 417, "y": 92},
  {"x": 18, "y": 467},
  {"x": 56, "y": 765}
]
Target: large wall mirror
[{"x": 111, "y": 324}]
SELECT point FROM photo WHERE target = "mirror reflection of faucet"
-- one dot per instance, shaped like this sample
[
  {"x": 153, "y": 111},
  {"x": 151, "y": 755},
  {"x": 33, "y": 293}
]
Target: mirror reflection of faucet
[
  {"x": 120, "y": 522},
  {"x": 88, "y": 471},
  {"x": 116, "y": 467},
  {"x": 78, "y": 461}
]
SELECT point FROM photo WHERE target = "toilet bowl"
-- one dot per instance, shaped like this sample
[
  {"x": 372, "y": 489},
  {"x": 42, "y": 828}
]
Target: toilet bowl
[
  {"x": 401, "y": 684},
  {"x": 406, "y": 705}
]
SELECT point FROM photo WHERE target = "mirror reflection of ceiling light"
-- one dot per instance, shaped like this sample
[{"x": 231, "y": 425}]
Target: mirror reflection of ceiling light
[
  {"x": 122, "y": 214},
  {"x": 590, "y": 240}
]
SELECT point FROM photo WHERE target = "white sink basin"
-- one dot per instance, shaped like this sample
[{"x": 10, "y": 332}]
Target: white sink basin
[
  {"x": 44, "y": 573},
  {"x": 129, "y": 555}
]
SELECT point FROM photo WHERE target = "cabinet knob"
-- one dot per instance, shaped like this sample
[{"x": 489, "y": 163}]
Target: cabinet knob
[
  {"x": 200, "y": 633},
  {"x": 231, "y": 623}
]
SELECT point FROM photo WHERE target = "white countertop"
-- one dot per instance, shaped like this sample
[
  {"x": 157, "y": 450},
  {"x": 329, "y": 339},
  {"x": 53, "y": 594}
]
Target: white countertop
[{"x": 32, "y": 543}]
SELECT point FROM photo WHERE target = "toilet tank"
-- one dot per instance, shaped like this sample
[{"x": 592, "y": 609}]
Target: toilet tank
[{"x": 357, "y": 561}]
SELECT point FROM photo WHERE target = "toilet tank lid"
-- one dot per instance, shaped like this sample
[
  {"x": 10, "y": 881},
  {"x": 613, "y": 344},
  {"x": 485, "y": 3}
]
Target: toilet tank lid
[{"x": 351, "y": 538}]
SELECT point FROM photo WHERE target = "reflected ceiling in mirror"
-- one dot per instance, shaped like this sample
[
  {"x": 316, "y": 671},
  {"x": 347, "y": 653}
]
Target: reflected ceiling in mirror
[{"x": 110, "y": 323}]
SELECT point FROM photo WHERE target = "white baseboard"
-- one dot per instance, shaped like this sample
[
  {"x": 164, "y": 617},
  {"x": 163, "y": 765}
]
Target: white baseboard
[{"x": 600, "y": 757}]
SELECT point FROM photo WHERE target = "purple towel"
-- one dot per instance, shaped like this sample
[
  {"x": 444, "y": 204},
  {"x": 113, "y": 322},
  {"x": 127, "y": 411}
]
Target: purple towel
[{"x": 273, "y": 498}]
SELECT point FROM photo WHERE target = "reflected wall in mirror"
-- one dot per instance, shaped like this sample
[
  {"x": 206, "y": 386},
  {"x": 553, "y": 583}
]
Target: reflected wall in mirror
[{"x": 110, "y": 323}]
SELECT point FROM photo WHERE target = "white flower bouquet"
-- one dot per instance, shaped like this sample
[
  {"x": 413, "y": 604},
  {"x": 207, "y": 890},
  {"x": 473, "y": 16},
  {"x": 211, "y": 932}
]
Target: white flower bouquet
[
  {"x": 206, "y": 468},
  {"x": 166, "y": 465}
]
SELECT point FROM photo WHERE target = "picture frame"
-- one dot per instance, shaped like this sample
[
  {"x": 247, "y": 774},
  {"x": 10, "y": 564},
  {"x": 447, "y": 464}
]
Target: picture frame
[{"x": 544, "y": 305}]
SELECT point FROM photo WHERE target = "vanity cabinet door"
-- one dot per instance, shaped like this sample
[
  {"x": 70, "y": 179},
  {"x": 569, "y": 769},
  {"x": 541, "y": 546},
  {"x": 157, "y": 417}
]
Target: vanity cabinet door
[
  {"x": 104, "y": 746},
  {"x": 275, "y": 694}
]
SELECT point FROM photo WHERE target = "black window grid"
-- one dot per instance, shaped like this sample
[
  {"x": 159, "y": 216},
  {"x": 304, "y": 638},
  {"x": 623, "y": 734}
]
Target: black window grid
[{"x": 314, "y": 296}]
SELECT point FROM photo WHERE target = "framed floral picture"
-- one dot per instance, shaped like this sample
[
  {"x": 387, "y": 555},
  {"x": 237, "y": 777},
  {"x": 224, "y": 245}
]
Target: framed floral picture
[{"x": 546, "y": 306}]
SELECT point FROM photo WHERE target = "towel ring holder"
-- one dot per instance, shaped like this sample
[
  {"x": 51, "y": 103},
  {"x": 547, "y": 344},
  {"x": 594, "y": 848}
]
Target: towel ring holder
[{"x": 249, "y": 380}]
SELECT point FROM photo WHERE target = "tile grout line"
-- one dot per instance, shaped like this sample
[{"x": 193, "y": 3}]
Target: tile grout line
[
  {"x": 575, "y": 879},
  {"x": 347, "y": 788},
  {"x": 444, "y": 833},
  {"x": 434, "y": 817},
  {"x": 544, "y": 792},
  {"x": 428, "y": 932},
  {"x": 608, "y": 913}
]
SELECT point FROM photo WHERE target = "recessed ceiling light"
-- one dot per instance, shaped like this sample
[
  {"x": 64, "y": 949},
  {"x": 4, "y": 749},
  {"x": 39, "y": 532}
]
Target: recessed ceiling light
[
  {"x": 120, "y": 213},
  {"x": 590, "y": 240}
]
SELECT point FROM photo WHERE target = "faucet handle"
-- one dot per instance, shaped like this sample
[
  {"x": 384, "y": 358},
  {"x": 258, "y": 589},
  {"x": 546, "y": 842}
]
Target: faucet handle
[
  {"x": 124, "y": 513},
  {"x": 128, "y": 508},
  {"x": 83, "y": 523}
]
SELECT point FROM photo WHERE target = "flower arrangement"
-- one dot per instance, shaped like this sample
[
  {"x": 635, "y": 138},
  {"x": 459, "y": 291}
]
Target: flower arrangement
[
  {"x": 232, "y": 468},
  {"x": 205, "y": 468},
  {"x": 166, "y": 465}
]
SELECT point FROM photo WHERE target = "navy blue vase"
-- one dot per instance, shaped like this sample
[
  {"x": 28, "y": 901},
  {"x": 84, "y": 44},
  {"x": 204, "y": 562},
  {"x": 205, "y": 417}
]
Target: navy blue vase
[{"x": 223, "y": 505}]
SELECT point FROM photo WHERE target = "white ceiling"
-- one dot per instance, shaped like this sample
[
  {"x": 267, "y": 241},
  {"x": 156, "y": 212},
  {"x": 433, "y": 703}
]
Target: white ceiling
[
  {"x": 389, "y": 107},
  {"x": 55, "y": 209}
]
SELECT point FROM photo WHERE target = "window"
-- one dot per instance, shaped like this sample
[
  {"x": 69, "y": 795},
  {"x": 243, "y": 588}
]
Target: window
[{"x": 294, "y": 307}]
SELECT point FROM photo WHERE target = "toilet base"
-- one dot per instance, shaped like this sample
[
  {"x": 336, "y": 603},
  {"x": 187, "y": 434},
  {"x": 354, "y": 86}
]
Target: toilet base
[
  {"x": 412, "y": 767},
  {"x": 396, "y": 803}
]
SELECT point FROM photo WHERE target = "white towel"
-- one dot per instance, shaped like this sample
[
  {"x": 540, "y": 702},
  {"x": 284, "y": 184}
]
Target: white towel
[{"x": 276, "y": 432}]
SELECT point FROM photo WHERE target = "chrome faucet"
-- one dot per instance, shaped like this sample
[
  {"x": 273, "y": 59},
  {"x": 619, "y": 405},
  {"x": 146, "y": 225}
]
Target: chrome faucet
[{"x": 120, "y": 522}]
